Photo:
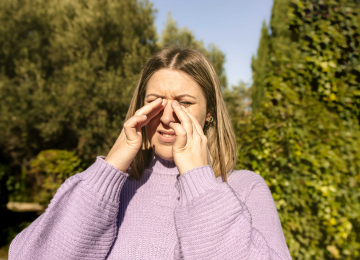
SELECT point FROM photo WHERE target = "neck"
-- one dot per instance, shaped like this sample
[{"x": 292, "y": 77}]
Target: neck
[{"x": 162, "y": 166}]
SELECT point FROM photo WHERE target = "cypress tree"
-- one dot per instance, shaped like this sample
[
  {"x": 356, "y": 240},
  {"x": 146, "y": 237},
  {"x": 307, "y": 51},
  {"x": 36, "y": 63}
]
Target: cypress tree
[{"x": 258, "y": 66}]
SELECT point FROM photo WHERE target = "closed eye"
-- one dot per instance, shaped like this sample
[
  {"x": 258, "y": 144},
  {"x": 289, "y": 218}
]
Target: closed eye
[
  {"x": 151, "y": 101},
  {"x": 182, "y": 103},
  {"x": 186, "y": 103}
]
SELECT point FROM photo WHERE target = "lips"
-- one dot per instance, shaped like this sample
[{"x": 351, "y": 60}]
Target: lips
[
  {"x": 167, "y": 136},
  {"x": 166, "y": 133}
]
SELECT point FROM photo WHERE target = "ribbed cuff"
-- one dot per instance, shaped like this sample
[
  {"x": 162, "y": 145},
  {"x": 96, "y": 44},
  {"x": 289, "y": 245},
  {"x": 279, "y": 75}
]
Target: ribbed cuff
[
  {"x": 195, "y": 182},
  {"x": 105, "y": 179}
]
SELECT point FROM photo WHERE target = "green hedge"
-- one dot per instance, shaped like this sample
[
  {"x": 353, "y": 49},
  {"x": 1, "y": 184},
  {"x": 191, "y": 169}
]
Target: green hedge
[{"x": 305, "y": 138}]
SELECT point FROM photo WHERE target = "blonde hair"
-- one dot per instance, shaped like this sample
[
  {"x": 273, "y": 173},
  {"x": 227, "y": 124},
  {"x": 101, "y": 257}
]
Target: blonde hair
[{"x": 219, "y": 133}]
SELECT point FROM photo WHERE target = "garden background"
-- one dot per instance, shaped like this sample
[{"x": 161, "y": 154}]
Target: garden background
[{"x": 68, "y": 69}]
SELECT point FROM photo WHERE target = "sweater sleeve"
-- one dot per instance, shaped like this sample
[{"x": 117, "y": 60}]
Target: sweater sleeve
[
  {"x": 213, "y": 221},
  {"x": 80, "y": 221}
]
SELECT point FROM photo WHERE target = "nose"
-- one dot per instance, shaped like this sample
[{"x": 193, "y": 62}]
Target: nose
[{"x": 168, "y": 114}]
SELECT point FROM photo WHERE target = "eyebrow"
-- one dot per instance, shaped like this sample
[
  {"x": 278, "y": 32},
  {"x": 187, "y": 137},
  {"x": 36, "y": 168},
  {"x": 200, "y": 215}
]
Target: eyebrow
[{"x": 178, "y": 96}]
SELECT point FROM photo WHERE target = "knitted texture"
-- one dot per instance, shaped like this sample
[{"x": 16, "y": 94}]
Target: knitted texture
[{"x": 101, "y": 214}]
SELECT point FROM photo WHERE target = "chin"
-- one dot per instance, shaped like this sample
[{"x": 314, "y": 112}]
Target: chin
[{"x": 163, "y": 151}]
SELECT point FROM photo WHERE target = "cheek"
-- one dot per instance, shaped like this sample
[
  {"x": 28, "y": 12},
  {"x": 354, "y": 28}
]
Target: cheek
[
  {"x": 199, "y": 116},
  {"x": 151, "y": 126}
]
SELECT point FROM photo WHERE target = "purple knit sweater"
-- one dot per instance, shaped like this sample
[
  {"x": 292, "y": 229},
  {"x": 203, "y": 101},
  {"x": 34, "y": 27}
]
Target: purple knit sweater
[{"x": 100, "y": 214}]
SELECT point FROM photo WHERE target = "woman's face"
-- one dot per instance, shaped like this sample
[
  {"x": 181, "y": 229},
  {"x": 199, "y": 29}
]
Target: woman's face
[{"x": 172, "y": 85}]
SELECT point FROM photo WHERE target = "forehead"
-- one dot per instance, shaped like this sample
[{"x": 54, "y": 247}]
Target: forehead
[{"x": 170, "y": 83}]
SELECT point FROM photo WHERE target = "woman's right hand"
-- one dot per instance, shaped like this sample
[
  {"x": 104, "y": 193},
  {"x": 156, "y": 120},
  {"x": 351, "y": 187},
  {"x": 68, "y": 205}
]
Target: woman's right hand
[{"x": 130, "y": 140}]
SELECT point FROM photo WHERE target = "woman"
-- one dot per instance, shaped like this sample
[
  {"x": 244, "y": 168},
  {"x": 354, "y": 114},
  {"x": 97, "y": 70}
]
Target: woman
[{"x": 166, "y": 191}]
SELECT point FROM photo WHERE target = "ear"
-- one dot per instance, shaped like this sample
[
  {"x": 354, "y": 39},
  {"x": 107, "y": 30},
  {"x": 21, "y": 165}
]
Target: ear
[{"x": 208, "y": 117}]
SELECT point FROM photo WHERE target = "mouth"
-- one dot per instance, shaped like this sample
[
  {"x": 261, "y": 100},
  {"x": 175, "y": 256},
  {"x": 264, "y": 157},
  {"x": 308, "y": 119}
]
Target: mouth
[
  {"x": 167, "y": 133},
  {"x": 167, "y": 136}
]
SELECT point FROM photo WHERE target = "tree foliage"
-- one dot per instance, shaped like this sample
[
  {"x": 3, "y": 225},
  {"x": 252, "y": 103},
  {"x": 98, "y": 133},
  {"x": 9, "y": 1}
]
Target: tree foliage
[
  {"x": 4, "y": 196},
  {"x": 329, "y": 40},
  {"x": 67, "y": 70},
  {"x": 50, "y": 169},
  {"x": 238, "y": 101},
  {"x": 258, "y": 66},
  {"x": 304, "y": 140}
]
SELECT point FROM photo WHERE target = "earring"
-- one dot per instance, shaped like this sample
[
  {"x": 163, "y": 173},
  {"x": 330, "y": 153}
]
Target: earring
[{"x": 209, "y": 122}]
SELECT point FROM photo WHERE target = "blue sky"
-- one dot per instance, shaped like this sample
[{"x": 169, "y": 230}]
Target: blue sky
[{"x": 233, "y": 25}]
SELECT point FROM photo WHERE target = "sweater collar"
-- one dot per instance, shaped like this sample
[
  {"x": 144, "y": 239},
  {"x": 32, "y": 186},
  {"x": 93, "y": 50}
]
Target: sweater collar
[{"x": 162, "y": 166}]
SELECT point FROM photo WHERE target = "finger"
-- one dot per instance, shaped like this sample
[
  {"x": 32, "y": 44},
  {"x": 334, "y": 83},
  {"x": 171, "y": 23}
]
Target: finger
[
  {"x": 181, "y": 135},
  {"x": 185, "y": 120},
  {"x": 155, "y": 111},
  {"x": 194, "y": 121},
  {"x": 132, "y": 127},
  {"x": 156, "y": 105}
]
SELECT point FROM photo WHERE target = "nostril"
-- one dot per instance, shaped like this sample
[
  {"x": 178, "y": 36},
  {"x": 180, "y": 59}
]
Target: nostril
[{"x": 175, "y": 117}]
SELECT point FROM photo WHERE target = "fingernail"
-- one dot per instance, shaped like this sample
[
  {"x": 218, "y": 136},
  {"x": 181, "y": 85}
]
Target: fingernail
[
  {"x": 183, "y": 107},
  {"x": 143, "y": 116},
  {"x": 164, "y": 100},
  {"x": 176, "y": 103},
  {"x": 158, "y": 99}
]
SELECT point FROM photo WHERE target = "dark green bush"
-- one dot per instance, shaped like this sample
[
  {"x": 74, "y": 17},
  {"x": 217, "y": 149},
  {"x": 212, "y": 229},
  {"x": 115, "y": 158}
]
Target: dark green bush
[{"x": 50, "y": 169}]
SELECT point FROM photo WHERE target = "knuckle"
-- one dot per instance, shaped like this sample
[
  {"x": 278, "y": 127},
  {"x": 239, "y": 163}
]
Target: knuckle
[
  {"x": 183, "y": 132},
  {"x": 127, "y": 124}
]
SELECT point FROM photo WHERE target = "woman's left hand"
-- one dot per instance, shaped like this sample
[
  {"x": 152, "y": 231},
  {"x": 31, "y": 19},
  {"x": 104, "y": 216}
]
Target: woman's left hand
[{"x": 190, "y": 148}]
